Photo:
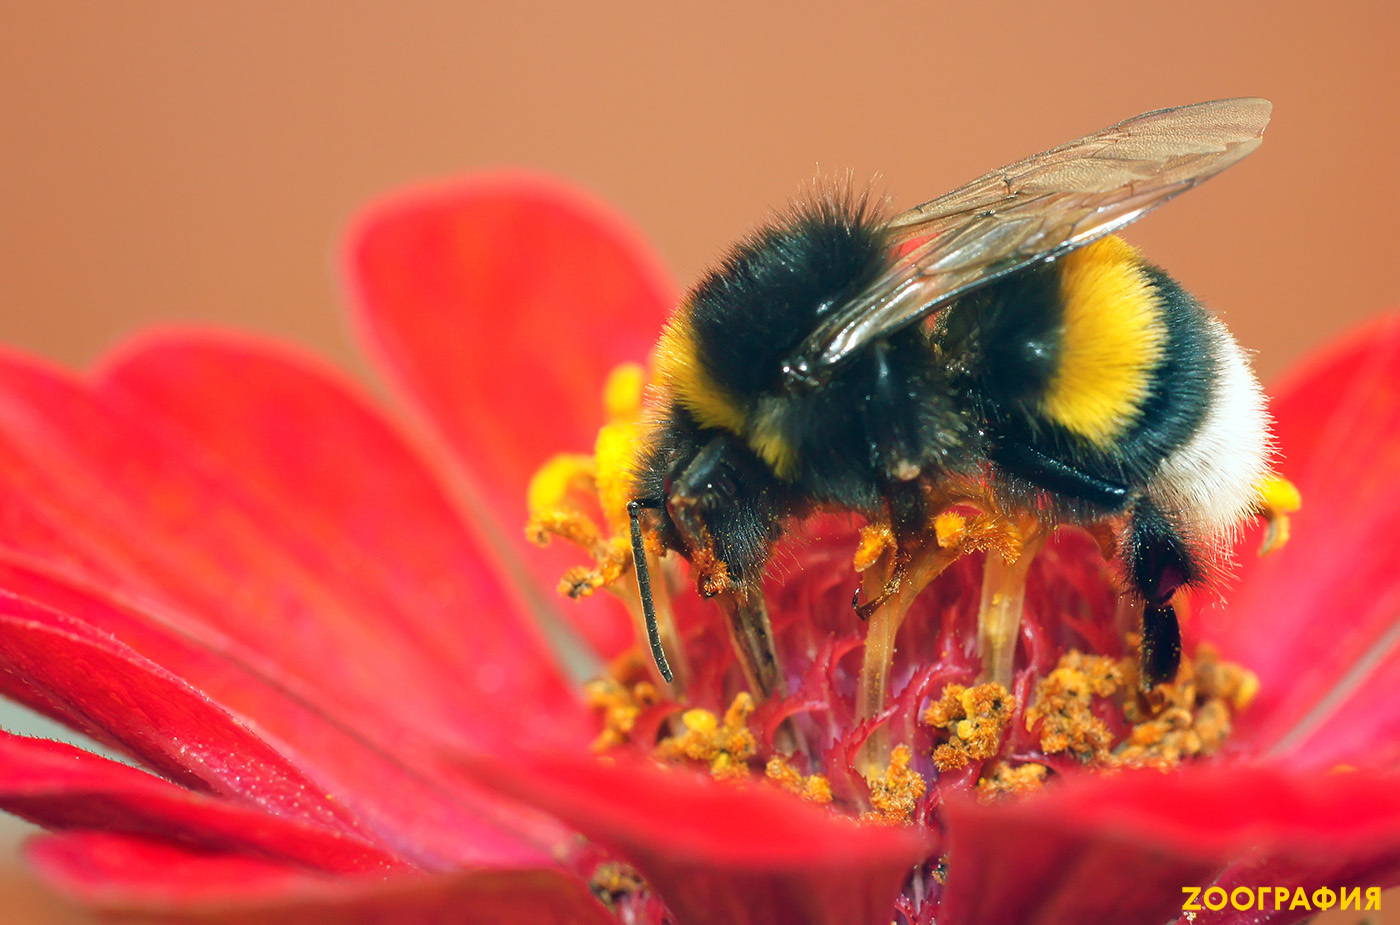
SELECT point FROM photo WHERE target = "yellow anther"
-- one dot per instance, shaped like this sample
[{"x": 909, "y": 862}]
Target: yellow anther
[
  {"x": 619, "y": 705},
  {"x": 725, "y": 745},
  {"x": 557, "y": 480},
  {"x": 1001, "y": 780},
  {"x": 1063, "y": 705},
  {"x": 1188, "y": 717},
  {"x": 976, "y": 717},
  {"x": 814, "y": 788},
  {"x": 895, "y": 794},
  {"x": 875, "y": 540},
  {"x": 1276, "y": 498},
  {"x": 950, "y": 528},
  {"x": 622, "y": 393}
]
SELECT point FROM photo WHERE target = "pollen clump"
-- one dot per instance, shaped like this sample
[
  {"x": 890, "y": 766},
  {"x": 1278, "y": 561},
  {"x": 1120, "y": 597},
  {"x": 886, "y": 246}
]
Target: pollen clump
[
  {"x": 725, "y": 744},
  {"x": 814, "y": 788},
  {"x": 1190, "y": 717},
  {"x": 1063, "y": 705},
  {"x": 875, "y": 540},
  {"x": 895, "y": 795},
  {"x": 1187, "y": 718},
  {"x": 975, "y": 716},
  {"x": 618, "y": 704},
  {"x": 1003, "y": 780}
]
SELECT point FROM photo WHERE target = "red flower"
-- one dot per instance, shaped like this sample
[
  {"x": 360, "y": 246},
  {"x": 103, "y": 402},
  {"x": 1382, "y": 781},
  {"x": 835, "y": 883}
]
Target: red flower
[{"x": 222, "y": 560}]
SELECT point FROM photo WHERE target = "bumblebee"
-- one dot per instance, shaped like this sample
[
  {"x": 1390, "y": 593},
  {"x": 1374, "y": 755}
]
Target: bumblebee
[{"x": 999, "y": 336}]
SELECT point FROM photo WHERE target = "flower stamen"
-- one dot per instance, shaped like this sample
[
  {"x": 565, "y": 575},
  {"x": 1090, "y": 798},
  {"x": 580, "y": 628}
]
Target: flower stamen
[
  {"x": 814, "y": 788},
  {"x": 725, "y": 745},
  {"x": 1003, "y": 601},
  {"x": 1276, "y": 499},
  {"x": 975, "y": 717},
  {"x": 1002, "y": 780},
  {"x": 895, "y": 793}
]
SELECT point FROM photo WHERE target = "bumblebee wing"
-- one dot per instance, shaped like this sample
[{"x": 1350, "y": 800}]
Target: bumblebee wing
[{"x": 1033, "y": 210}]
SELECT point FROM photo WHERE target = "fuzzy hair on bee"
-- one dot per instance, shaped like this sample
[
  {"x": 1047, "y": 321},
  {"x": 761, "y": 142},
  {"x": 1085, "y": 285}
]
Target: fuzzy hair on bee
[{"x": 1000, "y": 336}]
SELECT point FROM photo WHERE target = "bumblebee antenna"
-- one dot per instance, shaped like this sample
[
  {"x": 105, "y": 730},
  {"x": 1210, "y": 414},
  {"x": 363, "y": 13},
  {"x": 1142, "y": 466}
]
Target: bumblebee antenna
[{"x": 639, "y": 562}]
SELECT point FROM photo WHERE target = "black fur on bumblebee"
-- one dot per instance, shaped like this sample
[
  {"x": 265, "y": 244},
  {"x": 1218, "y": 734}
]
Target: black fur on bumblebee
[{"x": 996, "y": 347}]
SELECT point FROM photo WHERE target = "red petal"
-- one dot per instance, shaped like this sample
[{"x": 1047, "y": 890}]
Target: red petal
[
  {"x": 154, "y": 881},
  {"x": 74, "y": 670},
  {"x": 717, "y": 851},
  {"x": 105, "y": 690},
  {"x": 61, "y": 787},
  {"x": 337, "y": 487},
  {"x": 1319, "y": 620},
  {"x": 91, "y": 479},
  {"x": 1121, "y": 848},
  {"x": 499, "y": 304}
]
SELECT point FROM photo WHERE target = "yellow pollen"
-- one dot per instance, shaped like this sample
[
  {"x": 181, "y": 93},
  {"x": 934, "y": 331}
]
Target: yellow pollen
[
  {"x": 895, "y": 794},
  {"x": 976, "y": 717},
  {"x": 558, "y": 481},
  {"x": 1063, "y": 704},
  {"x": 619, "y": 705},
  {"x": 875, "y": 540},
  {"x": 622, "y": 393},
  {"x": 814, "y": 788},
  {"x": 1276, "y": 498},
  {"x": 570, "y": 490},
  {"x": 949, "y": 528},
  {"x": 725, "y": 745},
  {"x": 1002, "y": 780},
  {"x": 1189, "y": 717}
]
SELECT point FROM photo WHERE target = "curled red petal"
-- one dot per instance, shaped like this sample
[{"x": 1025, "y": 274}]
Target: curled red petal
[
  {"x": 331, "y": 479},
  {"x": 1319, "y": 621},
  {"x": 498, "y": 304},
  {"x": 61, "y": 787},
  {"x": 292, "y": 760},
  {"x": 1121, "y": 848},
  {"x": 717, "y": 851},
  {"x": 157, "y": 882}
]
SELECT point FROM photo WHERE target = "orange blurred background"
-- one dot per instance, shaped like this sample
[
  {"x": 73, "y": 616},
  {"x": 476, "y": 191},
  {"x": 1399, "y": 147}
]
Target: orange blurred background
[{"x": 194, "y": 162}]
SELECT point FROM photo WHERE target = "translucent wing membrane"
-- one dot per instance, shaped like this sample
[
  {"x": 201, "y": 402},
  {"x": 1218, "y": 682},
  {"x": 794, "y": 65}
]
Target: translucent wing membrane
[{"x": 1035, "y": 209}]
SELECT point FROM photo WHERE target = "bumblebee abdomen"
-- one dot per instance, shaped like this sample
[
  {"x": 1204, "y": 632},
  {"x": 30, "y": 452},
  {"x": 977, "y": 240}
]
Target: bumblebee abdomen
[
  {"x": 1113, "y": 335},
  {"x": 1094, "y": 372}
]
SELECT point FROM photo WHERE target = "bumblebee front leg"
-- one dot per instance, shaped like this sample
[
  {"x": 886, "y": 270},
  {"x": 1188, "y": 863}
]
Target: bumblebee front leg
[
  {"x": 721, "y": 505},
  {"x": 1161, "y": 562}
]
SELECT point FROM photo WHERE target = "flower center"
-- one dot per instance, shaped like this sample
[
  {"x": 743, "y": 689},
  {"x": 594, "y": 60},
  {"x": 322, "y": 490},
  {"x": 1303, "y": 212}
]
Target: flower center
[{"x": 989, "y": 655}]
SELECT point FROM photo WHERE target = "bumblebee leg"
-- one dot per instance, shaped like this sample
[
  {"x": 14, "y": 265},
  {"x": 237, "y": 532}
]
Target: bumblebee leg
[
  {"x": 1162, "y": 563},
  {"x": 1057, "y": 476},
  {"x": 717, "y": 506}
]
